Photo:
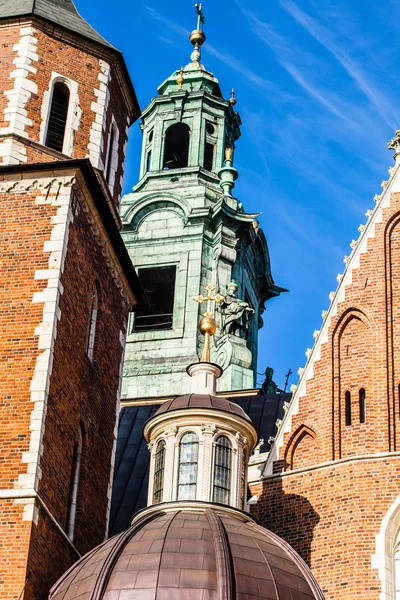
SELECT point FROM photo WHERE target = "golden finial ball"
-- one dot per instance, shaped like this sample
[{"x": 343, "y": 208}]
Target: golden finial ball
[
  {"x": 208, "y": 325},
  {"x": 197, "y": 37}
]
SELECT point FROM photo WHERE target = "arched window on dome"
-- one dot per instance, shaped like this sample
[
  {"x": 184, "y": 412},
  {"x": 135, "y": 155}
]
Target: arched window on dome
[
  {"x": 176, "y": 150},
  {"x": 188, "y": 463},
  {"x": 74, "y": 484},
  {"x": 58, "y": 115},
  {"x": 222, "y": 470},
  {"x": 93, "y": 320},
  {"x": 159, "y": 467}
]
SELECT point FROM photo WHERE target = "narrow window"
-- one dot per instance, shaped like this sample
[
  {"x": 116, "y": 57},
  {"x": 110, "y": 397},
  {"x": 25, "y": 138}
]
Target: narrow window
[
  {"x": 148, "y": 162},
  {"x": 92, "y": 325},
  {"x": 109, "y": 161},
  {"x": 348, "y": 408},
  {"x": 159, "y": 473},
  {"x": 363, "y": 406},
  {"x": 188, "y": 459},
  {"x": 209, "y": 156},
  {"x": 222, "y": 470},
  {"x": 57, "y": 117},
  {"x": 159, "y": 286},
  {"x": 74, "y": 484},
  {"x": 176, "y": 152}
]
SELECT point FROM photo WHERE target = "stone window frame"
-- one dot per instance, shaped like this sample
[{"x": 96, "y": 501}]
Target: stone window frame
[
  {"x": 386, "y": 543},
  {"x": 207, "y": 435},
  {"x": 73, "y": 115},
  {"x": 112, "y": 155},
  {"x": 178, "y": 324},
  {"x": 75, "y": 482}
]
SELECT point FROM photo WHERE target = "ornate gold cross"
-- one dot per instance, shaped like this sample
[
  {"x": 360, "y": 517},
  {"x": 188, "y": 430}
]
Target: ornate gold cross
[
  {"x": 208, "y": 325},
  {"x": 210, "y": 299}
]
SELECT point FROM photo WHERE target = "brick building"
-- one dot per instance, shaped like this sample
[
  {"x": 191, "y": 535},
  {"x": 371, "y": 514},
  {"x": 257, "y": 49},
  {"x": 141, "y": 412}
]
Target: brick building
[
  {"x": 330, "y": 484},
  {"x": 67, "y": 287}
]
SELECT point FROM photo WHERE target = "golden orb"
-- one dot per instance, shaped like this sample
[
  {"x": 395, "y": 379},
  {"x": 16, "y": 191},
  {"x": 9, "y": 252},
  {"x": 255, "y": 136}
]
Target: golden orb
[
  {"x": 197, "y": 37},
  {"x": 208, "y": 325}
]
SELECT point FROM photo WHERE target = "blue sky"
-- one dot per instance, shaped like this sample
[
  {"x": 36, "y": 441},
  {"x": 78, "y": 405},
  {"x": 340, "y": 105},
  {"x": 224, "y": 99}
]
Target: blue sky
[{"x": 317, "y": 87}]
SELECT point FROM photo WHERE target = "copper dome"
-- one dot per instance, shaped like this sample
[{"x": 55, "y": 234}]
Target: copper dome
[
  {"x": 203, "y": 401},
  {"x": 196, "y": 551}
]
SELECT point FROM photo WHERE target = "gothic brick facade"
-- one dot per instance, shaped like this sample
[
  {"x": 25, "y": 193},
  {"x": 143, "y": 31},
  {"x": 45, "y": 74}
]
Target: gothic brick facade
[{"x": 333, "y": 472}]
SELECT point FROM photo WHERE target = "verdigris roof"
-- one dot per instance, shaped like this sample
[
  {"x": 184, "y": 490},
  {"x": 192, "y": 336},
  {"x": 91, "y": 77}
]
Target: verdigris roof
[{"x": 60, "y": 12}]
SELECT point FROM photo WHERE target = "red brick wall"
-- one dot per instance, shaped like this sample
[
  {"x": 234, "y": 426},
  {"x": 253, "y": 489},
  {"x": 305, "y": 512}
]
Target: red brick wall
[
  {"x": 80, "y": 392},
  {"x": 331, "y": 515},
  {"x": 80, "y": 66}
]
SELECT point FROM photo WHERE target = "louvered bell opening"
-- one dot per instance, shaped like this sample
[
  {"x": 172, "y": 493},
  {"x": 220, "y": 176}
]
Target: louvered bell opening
[{"x": 58, "y": 117}]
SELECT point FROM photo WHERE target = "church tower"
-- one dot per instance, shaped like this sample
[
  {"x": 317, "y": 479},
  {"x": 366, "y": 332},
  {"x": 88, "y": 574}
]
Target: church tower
[
  {"x": 183, "y": 228},
  {"x": 67, "y": 287}
]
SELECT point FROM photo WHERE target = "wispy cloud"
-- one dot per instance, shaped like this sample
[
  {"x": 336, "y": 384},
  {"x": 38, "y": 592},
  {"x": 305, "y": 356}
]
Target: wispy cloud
[{"x": 325, "y": 37}]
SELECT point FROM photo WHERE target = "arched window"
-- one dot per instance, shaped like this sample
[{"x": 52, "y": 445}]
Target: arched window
[
  {"x": 159, "y": 466},
  {"x": 363, "y": 405},
  {"x": 92, "y": 325},
  {"x": 222, "y": 470},
  {"x": 188, "y": 459},
  {"x": 74, "y": 484},
  {"x": 396, "y": 558},
  {"x": 110, "y": 149},
  {"x": 347, "y": 400},
  {"x": 176, "y": 152},
  {"x": 58, "y": 115}
]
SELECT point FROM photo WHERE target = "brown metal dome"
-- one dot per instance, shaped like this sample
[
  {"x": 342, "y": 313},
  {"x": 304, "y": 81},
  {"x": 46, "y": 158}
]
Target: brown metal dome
[
  {"x": 195, "y": 551},
  {"x": 203, "y": 401}
]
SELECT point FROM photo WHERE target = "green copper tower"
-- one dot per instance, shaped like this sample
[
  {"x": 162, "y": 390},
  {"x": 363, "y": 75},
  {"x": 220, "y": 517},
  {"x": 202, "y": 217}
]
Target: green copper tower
[{"x": 185, "y": 230}]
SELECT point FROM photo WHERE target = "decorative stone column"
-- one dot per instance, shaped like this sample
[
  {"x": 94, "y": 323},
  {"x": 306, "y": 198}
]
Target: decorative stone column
[
  {"x": 208, "y": 431},
  {"x": 170, "y": 436},
  {"x": 240, "y": 470}
]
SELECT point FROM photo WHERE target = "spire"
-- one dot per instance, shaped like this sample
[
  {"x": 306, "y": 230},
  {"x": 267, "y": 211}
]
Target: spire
[{"x": 197, "y": 37}]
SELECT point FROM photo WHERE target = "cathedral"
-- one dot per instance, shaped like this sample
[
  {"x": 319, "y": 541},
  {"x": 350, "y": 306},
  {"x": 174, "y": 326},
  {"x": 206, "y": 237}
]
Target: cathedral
[{"x": 138, "y": 458}]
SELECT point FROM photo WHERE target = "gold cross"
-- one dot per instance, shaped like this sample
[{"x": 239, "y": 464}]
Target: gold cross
[{"x": 210, "y": 299}]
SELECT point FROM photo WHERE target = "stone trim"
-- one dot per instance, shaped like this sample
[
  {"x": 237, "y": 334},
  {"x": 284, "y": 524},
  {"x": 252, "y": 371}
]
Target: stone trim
[
  {"x": 383, "y": 559},
  {"x": 73, "y": 116},
  {"x": 99, "y": 108},
  {"x": 11, "y": 151},
  {"x": 359, "y": 247}
]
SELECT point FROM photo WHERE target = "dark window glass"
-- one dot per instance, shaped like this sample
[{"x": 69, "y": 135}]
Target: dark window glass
[
  {"x": 222, "y": 470},
  {"x": 176, "y": 153},
  {"x": 57, "y": 117},
  {"x": 188, "y": 459},
  {"x": 210, "y": 128},
  {"x": 148, "y": 162},
  {"x": 92, "y": 325},
  {"x": 348, "y": 408},
  {"x": 208, "y": 156},
  {"x": 151, "y": 136},
  {"x": 110, "y": 153},
  {"x": 159, "y": 286},
  {"x": 159, "y": 473},
  {"x": 363, "y": 406}
]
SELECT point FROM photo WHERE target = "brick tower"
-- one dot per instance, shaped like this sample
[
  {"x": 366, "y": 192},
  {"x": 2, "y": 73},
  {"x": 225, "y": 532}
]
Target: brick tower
[
  {"x": 330, "y": 484},
  {"x": 66, "y": 287},
  {"x": 183, "y": 228}
]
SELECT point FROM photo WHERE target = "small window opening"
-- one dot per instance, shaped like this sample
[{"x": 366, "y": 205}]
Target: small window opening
[
  {"x": 348, "y": 408},
  {"x": 74, "y": 484},
  {"x": 151, "y": 135},
  {"x": 176, "y": 153},
  {"x": 188, "y": 459},
  {"x": 363, "y": 406},
  {"x": 159, "y": 473},
  {"x": 57, "y": 117},
  {"x": 208, "y": 156},
  {"x": 110, "y": 153},
  {"x": 210, "y": 128},
  {"x": 92, "y": 325},
  {"x": 148, "y": 161},
  {"x": 159, "y": 286},
  {"x": 222, "y": 470}
]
